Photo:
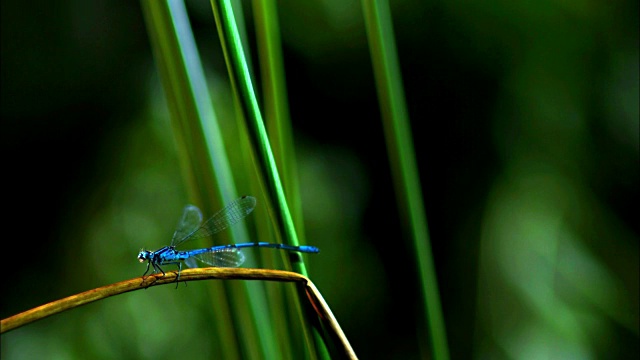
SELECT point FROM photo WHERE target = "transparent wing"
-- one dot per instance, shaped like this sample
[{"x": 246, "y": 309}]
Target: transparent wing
[
  {"x": 229, "y": 215},
  {"x": 230, "y": 257},
  {"x": 190, "y": 221}
]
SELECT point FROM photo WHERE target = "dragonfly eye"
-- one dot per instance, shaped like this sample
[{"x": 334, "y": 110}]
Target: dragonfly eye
[{"x": 143, "y": 256}]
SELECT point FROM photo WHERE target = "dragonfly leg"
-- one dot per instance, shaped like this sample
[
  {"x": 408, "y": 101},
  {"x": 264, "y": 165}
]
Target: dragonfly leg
[
  {"x": 155, "y": 269},
  {"x": 179, "y": 264},
  {"x": 146, "y": 271}
]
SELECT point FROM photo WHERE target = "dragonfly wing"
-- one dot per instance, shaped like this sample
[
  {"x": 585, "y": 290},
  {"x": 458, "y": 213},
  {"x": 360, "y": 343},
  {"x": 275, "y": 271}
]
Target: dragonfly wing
[
  {"x": 229, "y": 215},
  {"x": 191, "y": 262},
  {"x": 229, "y": 257},
  {"x": 190, "y": 221}
]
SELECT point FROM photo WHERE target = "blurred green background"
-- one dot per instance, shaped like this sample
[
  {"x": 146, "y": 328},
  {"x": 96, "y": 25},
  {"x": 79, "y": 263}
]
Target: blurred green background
[{"x": 525, "y": 123}]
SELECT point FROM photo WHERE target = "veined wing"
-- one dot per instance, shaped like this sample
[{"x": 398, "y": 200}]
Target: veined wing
[
  {"x": 189, "y": 222},
  {"x": 229, "y": 215},
  {"x": 228, "y": 257}
]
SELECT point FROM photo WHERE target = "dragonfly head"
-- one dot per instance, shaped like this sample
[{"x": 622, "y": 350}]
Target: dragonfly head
[{"x": 144, "y": 255}]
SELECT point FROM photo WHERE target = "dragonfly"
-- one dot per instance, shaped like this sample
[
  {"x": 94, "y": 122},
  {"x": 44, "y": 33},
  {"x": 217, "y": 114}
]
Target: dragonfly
[{"x": 191, "y": 227}]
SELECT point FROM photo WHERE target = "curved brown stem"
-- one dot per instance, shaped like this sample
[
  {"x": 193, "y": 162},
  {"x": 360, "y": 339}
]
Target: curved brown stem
[{"x": 313, "y": 295}]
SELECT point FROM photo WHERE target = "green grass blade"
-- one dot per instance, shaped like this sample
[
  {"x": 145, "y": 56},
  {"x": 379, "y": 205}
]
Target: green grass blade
[
  {"x": 402, "y": 158},
  {"x": 192, "y": 114},
  {"x": 206, "y": 166},
  {"x": 276, "y": 116},
  {"x": 241, "y": 82},
  {"x": 177, "y": 77},
  {"x": 248, "y": 105},
  {"x": 276, "y": 106}
]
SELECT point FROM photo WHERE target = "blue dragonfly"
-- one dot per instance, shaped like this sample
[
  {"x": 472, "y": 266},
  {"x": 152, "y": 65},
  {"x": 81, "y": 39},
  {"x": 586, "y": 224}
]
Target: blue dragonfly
[{"x": 190, "y": 227}]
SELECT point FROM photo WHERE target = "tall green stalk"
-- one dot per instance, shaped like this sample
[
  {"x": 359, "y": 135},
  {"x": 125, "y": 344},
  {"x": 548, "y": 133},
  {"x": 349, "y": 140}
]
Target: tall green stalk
[
  {"x": 277, "y": 120},
  {"x": 397, "y": 128},
  {"x": 241, "y": 82},
  {"x": 207, "y": 170},
  {"x": 276, "y": 105},
  {"x": 248, "y": 105}
]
